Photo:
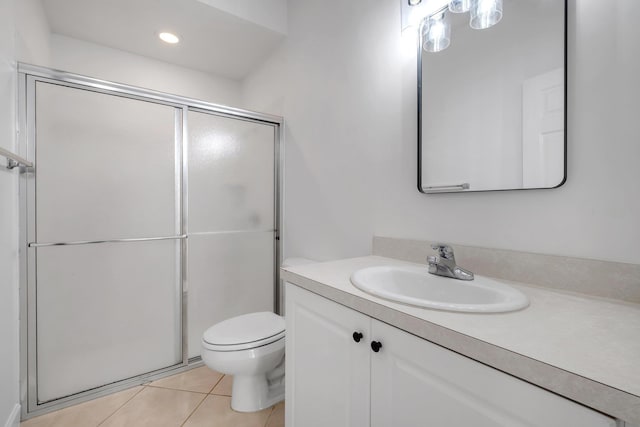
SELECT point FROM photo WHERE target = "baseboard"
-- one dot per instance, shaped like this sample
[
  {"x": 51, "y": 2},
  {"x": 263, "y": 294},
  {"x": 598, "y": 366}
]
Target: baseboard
[{"x": 14, "y": 417}]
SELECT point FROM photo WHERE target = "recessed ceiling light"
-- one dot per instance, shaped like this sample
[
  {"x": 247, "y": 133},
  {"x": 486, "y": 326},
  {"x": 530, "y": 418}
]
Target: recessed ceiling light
[{"x": 169, "y": 38}]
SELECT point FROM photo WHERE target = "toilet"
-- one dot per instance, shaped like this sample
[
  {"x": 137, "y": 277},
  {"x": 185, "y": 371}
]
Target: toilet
[{"x": 251, "y": 348}]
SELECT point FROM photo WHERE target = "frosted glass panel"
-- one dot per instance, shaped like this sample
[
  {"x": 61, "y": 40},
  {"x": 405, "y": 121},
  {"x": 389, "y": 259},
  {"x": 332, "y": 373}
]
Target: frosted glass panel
[
  {"x": 228, "y": 275},
  {"x": 231, "y": 174},
  {"x": 105, "y": 313},
  {"x": 105, "y": 166}
]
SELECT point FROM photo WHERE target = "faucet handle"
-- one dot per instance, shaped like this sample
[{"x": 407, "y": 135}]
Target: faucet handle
[{"x": 444, "y": 250}]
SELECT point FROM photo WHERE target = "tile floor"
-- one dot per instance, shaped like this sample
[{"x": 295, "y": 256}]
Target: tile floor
[{"x": 196, "y": 398}]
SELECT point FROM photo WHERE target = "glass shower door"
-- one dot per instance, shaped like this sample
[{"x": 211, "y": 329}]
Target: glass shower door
[
  {"x": 231, "y": 210},
  {"x": 106, "y": 241}
]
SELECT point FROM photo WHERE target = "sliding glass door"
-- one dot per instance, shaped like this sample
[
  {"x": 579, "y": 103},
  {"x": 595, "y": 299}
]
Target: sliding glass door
[
  {"x": 107, "y": 296},
  {"x": 231, "y": 220}
]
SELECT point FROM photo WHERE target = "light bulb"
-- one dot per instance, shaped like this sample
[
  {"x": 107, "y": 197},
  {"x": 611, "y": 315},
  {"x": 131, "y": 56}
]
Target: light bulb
[
  {"x": 436, "y": 34},
  {"x": 485, "y": 13},
  {"x": 169, "y": 38},
  {"x": 460, "y": 6}
]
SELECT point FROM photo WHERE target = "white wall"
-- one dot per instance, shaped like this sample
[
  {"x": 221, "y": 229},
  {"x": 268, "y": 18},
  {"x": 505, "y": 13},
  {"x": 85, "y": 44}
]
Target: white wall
[
  {"x": 347, "y": 90},
  {"x": 32, "y": 32},
  {"x": 77, "y": 56},
  {"x": 24, "y": 37},
  {"x": 9, "y": 370}
]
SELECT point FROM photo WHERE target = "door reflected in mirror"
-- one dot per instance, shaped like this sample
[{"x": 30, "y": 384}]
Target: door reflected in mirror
[{"x": 492, "y": 110}]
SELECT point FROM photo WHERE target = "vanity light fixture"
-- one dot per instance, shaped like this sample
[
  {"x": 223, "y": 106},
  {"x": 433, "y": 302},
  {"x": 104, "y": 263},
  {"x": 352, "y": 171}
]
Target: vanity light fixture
[
  {"x": 436, "y": 29},
  {"x": 436, "y": 33},
  {"x": 413, "y": 12},
  {"x": 169, "y": 37},
  {"x": 485, "y": 13}
]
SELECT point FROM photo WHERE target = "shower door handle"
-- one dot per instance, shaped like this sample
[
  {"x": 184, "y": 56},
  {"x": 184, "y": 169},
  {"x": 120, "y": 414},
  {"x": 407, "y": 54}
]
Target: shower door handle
[{"x": 93, "y": 242}]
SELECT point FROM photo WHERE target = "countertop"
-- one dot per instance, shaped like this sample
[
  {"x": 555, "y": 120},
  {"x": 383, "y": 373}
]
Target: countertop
[{"x": 584, "y": 348}]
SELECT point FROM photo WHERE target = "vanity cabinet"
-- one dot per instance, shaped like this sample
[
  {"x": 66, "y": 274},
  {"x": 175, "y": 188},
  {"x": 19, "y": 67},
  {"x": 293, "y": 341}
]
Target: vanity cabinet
[{"x": 344, "y": 368}]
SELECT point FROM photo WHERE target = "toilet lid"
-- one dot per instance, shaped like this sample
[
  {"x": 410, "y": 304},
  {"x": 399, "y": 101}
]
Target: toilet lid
[
  {"x": 253, "y": 328},
  {"x": 276, "y": 340}
]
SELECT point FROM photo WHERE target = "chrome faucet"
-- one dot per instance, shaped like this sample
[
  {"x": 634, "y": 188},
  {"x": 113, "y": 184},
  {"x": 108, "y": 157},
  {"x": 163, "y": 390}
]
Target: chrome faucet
[{"x": 444, "y": 264}]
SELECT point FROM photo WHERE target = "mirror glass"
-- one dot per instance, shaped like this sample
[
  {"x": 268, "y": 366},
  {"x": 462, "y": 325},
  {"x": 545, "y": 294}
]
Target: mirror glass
[{"x": 492, "y": 104}]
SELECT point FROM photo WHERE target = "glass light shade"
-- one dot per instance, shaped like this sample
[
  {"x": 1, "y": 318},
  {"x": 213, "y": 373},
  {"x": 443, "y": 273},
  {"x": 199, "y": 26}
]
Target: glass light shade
[
  {"x": 460, "y": 6},
  {"x": 485, "y": 13},
  {"x": 436, "y": 33}
]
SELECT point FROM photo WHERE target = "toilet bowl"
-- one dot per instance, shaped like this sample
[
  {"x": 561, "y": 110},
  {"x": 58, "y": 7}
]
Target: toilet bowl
[{"x": 251, "y": 348}]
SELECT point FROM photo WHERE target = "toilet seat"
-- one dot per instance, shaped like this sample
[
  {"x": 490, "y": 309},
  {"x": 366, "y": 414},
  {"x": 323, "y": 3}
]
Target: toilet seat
[
  {"x": 243, "y": 346},
  {"x": 244, "y": 332}
]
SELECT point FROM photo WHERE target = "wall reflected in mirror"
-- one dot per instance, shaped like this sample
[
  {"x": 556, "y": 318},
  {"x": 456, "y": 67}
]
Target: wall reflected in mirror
[{"x": 492, "y": 104}]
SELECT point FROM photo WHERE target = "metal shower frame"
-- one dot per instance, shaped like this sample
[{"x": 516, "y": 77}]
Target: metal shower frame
[{"x": 28, "y": 75}]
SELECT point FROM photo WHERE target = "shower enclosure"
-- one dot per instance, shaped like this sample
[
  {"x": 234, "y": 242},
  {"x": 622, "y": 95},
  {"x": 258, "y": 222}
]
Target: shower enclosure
[{"x": 146, "y": 219}]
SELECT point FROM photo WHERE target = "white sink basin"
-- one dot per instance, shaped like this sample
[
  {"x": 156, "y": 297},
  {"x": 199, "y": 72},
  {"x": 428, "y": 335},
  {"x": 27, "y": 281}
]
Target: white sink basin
[{"x": 416, "y": 286}]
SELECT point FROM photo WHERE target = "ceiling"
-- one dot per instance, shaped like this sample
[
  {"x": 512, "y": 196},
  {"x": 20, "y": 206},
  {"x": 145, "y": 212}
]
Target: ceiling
[{"x": 212, "y": 40}]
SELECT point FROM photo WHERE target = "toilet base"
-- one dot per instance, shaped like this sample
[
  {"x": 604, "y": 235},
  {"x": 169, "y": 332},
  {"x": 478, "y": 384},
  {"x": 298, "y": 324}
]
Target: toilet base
[{"x": 254, "y": 393}]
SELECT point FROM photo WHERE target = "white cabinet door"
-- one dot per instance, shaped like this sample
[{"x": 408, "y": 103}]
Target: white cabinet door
[
  {"x": 417, "y": 383},
  {"x": 327, "y": 371}
]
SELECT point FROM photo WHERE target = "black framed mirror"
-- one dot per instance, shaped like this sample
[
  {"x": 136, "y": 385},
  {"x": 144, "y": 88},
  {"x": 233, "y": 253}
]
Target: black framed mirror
[{"x": 492, "y": 102}]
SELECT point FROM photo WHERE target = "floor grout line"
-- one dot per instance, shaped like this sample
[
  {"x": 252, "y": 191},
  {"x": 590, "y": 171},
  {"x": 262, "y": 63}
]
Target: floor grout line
[
  {"x": 177, "y": 389},
  {"x": 194, "y": 410},
  {"x": 214, "y": 387},
  {"x": 219, "y": 394},
  {"x": 217, "y": 382},
  {"x": 120, "y": 407},
  {"x": 273, "y": 409}
]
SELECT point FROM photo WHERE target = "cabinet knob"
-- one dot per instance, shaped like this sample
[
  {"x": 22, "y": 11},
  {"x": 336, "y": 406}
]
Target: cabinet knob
[
  {"x": 376, "y": 346},
  {"x": 357, "y": 336}
]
